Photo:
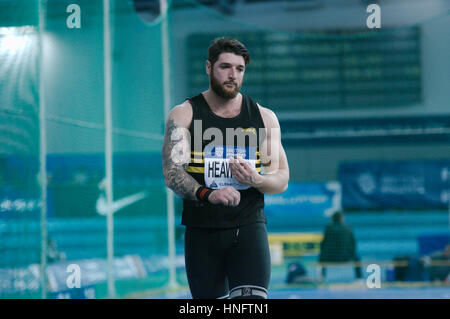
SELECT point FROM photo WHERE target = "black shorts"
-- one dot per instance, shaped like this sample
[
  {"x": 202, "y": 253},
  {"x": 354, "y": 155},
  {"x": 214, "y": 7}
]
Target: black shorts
[{"x": 232, "y": 262}]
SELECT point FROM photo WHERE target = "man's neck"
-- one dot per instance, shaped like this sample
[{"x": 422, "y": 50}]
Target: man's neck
[{"x": 221, "y": 106}]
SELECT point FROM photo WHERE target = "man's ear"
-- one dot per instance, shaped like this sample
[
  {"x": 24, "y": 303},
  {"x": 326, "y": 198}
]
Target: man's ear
[{"x": 208, "y": 67}]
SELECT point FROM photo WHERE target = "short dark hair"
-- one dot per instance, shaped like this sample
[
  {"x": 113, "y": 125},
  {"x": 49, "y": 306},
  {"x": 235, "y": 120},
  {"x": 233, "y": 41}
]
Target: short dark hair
[
  {"x": 337, "y": 217},
  {"x": 229, "y": 45}
]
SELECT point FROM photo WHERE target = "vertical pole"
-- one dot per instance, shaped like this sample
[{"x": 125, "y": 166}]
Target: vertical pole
[
  {"x": 108, "y": 145},
  {"x": 448, "y": 204},
  {"x": 165, "y": 52},
  {"x": 42, "y": 151}
]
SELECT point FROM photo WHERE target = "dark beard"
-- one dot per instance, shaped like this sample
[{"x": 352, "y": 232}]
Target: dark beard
[{"x": 220, "y": 90}]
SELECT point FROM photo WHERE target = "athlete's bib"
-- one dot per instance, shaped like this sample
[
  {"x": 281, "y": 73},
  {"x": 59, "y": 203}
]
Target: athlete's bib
[{"x": 217, "y": 171}]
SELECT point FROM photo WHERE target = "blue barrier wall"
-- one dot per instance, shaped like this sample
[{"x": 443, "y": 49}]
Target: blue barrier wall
[{"x": 395, "y": 184}]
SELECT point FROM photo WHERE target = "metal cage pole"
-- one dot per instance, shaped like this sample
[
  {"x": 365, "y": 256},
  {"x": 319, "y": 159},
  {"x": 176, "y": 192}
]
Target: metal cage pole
[
  {"x": 165, "y": 52},
  {"x": 107, "y": 70},
  {"x": 42, "y": 152}
]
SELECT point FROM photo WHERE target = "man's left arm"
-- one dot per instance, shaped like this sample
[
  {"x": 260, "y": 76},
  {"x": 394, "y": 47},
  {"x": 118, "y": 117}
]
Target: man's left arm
[{"x": 273, "y": 158}]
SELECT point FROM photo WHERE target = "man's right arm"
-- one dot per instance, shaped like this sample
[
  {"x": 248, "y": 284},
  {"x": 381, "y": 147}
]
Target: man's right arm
[{"x": 176, "y": 152}]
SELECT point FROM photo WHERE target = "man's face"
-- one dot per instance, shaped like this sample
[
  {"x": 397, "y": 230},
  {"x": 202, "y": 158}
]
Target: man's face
[{"x": 226, "y": 75}]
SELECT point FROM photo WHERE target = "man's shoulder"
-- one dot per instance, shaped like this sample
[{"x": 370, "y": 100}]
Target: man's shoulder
[
  {"x": 268, "y": 116},
  {"x": 182, "y": 114},
  {"x": 265, "y": 110},
  {"x": 186, "y": 106}
]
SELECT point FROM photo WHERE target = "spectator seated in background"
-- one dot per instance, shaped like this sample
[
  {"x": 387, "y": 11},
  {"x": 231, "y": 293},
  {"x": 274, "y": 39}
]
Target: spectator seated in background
[
  {"x": 438, "y": 265},
  {"x": 297, "y": 274},
  {"x": 338, "y": 245},
  {"x": 53, "y": 254}
]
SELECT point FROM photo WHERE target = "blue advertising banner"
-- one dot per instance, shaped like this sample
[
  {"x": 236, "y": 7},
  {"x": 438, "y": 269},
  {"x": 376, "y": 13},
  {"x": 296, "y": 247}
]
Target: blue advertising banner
[
  {"x": 70, "y": 279},
  {"x": 19, "y": 203},
  {"x": 313, "y": 202},
  {"x": 19, "y": 280},
  {"x": 395, "y": 184},
  {"x": 87, "y": 292},
  {"x": 88, "y": 272}
]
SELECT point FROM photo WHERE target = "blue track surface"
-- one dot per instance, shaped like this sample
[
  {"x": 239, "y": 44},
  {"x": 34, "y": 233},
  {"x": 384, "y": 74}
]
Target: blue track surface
[{"x": 380, "y": 293}]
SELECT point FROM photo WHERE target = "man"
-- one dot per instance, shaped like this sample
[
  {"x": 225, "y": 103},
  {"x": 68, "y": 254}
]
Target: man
[
  {"x": 438, "y": 265},
  {"x": 220, "y": 180},
  {"x": 339, "y": 244}
]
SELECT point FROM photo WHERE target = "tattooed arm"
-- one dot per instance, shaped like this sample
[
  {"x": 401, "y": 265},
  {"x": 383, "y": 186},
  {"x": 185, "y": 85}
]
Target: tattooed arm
[{"x": 176, "y": 153}]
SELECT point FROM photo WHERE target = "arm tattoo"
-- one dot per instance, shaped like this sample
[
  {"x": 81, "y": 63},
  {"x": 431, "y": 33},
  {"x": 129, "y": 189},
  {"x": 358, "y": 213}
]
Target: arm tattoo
[{"x": 175, "y": 176}]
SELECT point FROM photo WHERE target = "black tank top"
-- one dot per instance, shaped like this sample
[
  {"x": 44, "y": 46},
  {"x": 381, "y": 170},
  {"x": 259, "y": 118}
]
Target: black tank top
[{"x": 213, "y": 140}]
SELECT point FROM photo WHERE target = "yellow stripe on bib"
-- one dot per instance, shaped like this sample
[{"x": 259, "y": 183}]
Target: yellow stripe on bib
[
  {"x": 197, "y": 160},
  {"x": 197, "y": 153},
  {"x": 191, "y": 169}
]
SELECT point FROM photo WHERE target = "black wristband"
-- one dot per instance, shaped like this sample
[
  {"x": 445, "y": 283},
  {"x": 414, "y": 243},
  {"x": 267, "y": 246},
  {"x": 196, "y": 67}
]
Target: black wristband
[{"x": 203, "y": 193}]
